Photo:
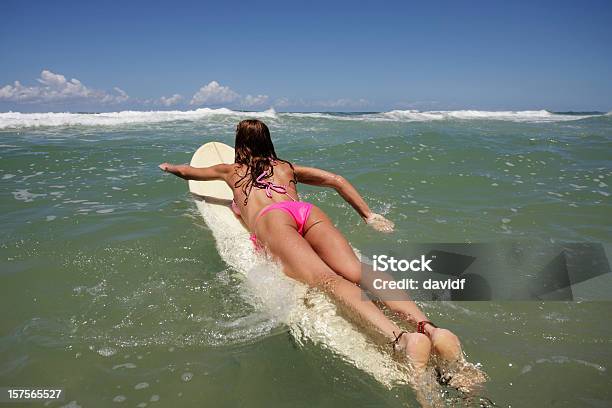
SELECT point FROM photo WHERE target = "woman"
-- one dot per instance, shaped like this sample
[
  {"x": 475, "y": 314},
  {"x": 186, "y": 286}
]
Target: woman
[{"x": 305, "y": 240}]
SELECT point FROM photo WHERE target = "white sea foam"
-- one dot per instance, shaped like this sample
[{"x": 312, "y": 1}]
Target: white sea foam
[
  {"x": 16, "y": 120},
  {"x": 428, "y": 116},
  {"x": 25, "y": 195},
  {"x": 513, "y": 116}
]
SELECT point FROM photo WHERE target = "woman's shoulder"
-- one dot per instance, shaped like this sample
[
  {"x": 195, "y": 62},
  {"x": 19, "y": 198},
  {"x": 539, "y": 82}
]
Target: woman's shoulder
[
  {"x": 284, "y": 167},
  {"x": 237, "y": 167},
  {"x": 284, "y": 173}
]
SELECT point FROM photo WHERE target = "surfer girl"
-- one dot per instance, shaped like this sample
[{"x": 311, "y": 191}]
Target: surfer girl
[{"x": 306, "y": 242}]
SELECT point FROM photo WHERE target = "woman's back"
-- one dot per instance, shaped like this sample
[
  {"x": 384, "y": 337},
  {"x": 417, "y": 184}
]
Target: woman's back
[{"x": 250, "y": 199}]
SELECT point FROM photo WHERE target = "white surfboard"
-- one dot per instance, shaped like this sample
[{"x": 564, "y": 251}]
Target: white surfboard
[{"x": 309, "y": 314}]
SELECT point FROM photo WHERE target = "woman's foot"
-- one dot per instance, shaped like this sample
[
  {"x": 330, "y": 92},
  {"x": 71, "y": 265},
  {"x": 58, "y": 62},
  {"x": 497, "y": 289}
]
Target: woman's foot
[
  {"x": 445, "y": 344},
  {"x": 452, "y": 368},
  {"x": 417, "y": 347}
]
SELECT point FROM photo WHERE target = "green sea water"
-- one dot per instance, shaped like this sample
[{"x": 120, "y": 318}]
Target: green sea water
[{"x": 112, "y": 288}]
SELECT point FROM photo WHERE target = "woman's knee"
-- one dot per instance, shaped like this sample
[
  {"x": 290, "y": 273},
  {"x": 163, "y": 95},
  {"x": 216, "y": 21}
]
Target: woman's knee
[{"x": 351, "y": 271}]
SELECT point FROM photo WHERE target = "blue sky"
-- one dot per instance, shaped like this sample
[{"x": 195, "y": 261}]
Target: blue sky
[{"x": 307, "y": 55}]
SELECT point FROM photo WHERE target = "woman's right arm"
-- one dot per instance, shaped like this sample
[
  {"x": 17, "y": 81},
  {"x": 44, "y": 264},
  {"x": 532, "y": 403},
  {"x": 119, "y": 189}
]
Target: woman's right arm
[
  {"x": 185, "y": 171},
  {"x": 318, "y": 177}
]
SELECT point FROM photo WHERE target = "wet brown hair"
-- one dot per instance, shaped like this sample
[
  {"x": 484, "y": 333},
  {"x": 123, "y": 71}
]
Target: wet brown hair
[{"x": 254, "y": 149}]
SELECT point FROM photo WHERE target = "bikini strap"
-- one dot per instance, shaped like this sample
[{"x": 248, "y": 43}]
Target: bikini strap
[{"x": 269, "y": 186}]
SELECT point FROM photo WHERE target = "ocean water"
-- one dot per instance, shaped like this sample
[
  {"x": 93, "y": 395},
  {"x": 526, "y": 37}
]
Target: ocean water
[{"x": 112, "y": 287}]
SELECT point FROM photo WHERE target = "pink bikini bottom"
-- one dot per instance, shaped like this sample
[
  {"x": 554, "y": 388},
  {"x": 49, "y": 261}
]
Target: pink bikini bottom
[{"x": 299, "y": 210}]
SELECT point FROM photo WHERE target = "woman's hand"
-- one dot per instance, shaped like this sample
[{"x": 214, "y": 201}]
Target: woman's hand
[
  {"x": 167, "y": 167},
  {"x": 380, "y": 223}
]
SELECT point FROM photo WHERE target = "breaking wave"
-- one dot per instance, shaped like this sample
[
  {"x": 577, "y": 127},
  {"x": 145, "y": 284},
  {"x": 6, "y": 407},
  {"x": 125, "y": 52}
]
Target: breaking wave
[
  {"x": 514, "y": 116},
  {"x": 428, "y": 116},
  {"x": 18, "y": 120}
]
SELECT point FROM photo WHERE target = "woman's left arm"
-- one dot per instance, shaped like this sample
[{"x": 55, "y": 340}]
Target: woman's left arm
[
  {"x": 318, "y": 177},
  {"x": 185, "y": 171}
]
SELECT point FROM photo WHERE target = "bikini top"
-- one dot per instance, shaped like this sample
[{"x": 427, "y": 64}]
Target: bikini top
[{"x": 265, "y": 185}]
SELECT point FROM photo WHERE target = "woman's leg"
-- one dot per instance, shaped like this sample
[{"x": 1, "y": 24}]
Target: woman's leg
[
  {"x": 335, "y": 251},
  {"x": 277, "y": 231}
]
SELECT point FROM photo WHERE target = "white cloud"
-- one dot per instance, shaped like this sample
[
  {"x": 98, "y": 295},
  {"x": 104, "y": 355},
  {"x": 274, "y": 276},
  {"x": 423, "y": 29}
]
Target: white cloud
[
  {"x": 121, "y": 96},
  {"x": 52, "y": 87},
  {"x": 214, "y": 94},
  {"x": 56, "y": 88},
  {"x": 56, "y": 80},
  {"x": 170, "y": 100},
  {"x": 282, "y": 102},
  {"x": 251, "y": 100}
]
